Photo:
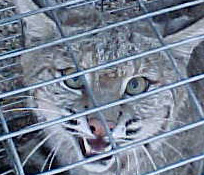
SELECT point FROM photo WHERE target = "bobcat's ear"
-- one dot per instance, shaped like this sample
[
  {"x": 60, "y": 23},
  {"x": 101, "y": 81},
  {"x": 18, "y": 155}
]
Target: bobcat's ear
[
  {"x": 37, "y": 28},
  {"x": 183, "y": 52}
]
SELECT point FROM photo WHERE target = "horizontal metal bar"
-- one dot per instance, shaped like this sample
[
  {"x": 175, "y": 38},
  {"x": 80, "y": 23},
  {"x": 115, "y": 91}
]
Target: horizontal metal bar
[
  {"x": 13, "y": 103},
  {"x": 10, "y": 52},
  {"x": 7, "y": 172},
  {"x": 42, "y": 10},
  {"x": 10, "y": 37},
  {"x": 11, "y": 78},
  {"x": 20, "y": 16},
  {"x": 102, "y": 29},
  {"x": 178, "y": 164},
  {"x": 102, "y": 66},
  {"x": 122, "y": 9},
  {"x": 9, "y": 66},
  {"x": 82, "y": 4},
  {"x": 10, "y": 22},
  {"x": 131, "y": 146},
  {"x": 100, "y": 108},
  {"x": 2, "y": 150},
  {"x": 7, "y": 8}
]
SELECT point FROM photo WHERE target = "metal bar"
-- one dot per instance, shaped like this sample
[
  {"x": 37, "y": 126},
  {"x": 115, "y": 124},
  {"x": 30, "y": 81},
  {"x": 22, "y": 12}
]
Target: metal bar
[
  {"x": 10, "y": 37},
  {"x": 2, "y": 150},
  {"x": 88, "y": 89},
  {"x": 124, "y": 148},
  {"x": 102, "y": 66},
  {"x": 74, "y": 2},
  {"x": 122, "y": 9},
  {"x": 176, "y": 165},
  {"x": 154, "y": 5},
  {"x": 100, "y": 108},
  {"x": 8, "y": 23},
  {"x": 10, "y": 52},
  {"x": 17, "y": 163},
  {"x": 94, "y": 102},
  {"x": 7, "y": 172},
  {"x": 7, "y": 8},
  {"x": 10, "y": 65},
  {"x": 42, "y": 10},
  {"x": 13, "y": 103},
  {"x": 170, "y": 56},
  {"x": 11, "y": 78}
]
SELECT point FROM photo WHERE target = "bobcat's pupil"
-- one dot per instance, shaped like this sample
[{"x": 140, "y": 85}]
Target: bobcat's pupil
[{"x": 134, "y": 84}]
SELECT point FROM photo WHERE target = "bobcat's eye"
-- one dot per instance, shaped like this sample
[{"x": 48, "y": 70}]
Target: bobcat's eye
[
  {"x": 74, "y": 83},
  {"x": 137, "y": 85}
]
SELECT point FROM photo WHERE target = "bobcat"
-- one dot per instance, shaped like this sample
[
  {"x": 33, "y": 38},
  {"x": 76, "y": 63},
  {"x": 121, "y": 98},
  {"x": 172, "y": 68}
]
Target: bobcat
[{"x": 86, "y": 136}]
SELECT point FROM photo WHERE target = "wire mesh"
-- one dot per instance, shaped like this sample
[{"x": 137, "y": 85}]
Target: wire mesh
[{"x": 13, "y": 52}]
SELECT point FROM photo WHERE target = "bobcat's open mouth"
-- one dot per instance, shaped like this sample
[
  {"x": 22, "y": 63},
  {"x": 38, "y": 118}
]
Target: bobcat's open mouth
[{"x": 91, "y": 147}]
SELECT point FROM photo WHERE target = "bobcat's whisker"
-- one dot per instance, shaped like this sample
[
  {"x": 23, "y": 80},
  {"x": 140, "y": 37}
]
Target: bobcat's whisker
[
  {"x": 136, "y": 162},
  {"x": 38, "y": 134},
  {"x": 54, "y": 154},
  {"x": 169, "y": 120},
  {"x": 128, "y": 162},
  {"x": 22, "y": 100},
  {"x": 37, "y": 147},
  {"x": 123, "y": 141},
  {"x": 163, "y": 156},
  {"x": 163, "y": 130},
  {"x": 173, "y": 148},
  {"x": 35, "y": 109},
  {"x": 149, "y": 157},
  {"x": 13, "y": 103},
  {"x": 164, "y": 119},
  {"x": 47, "y": 159},
  {"x": 3, "y": 156},
  {"x": 38, "y": 98}
]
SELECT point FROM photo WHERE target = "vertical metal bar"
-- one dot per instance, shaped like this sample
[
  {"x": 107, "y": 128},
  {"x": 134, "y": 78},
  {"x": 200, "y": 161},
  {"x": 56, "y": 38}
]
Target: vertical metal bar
[
  {"x": 16, "y": 159},
  {"x": 88, "y": 89},
  {"x": 169, "y": 54}
]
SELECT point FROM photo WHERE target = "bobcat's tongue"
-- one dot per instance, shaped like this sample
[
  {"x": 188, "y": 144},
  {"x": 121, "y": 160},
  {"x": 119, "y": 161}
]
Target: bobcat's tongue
[
  {"x": 92, "y": 147},
  {"x": 98, "y": 144}
]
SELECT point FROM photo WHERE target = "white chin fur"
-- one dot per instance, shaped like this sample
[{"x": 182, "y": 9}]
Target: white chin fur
[{"x": 99, "y": 168}]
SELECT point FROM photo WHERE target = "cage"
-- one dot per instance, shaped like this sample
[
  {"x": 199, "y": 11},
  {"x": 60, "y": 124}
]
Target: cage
[{"x": 101, "y": 29}]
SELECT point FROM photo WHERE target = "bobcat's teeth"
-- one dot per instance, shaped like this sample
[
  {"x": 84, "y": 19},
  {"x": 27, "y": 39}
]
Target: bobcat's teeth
[
  {"x": 87, "y": 146},
  {"x": 108, "y": 148}
]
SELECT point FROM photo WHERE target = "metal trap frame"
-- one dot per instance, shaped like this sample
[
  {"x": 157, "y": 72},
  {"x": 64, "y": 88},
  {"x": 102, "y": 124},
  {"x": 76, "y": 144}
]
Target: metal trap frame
[{"x": 9, "y": 136}]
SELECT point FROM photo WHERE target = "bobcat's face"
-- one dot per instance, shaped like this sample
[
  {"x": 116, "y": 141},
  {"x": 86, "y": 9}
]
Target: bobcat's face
[
  {"x": 86, "y": 136},
  {"x": 136, "y": 120}
]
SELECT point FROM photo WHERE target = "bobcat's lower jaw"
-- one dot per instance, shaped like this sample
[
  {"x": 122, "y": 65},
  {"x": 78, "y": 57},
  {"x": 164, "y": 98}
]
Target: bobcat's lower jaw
[{"x": 91, "y": 147}]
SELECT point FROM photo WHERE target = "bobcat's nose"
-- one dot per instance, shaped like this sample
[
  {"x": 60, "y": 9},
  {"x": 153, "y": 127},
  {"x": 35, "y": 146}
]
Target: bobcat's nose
[{"x": 98, "y": 128}]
